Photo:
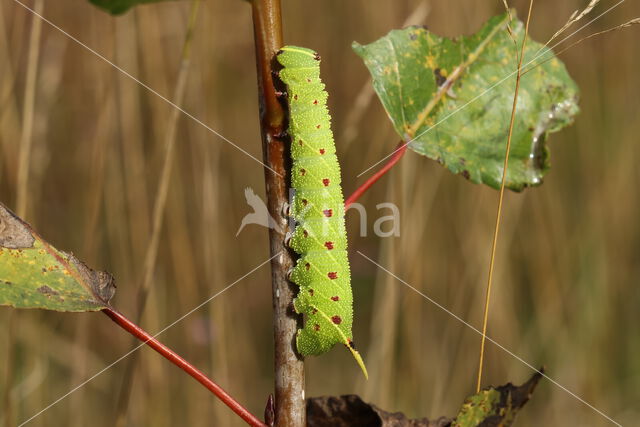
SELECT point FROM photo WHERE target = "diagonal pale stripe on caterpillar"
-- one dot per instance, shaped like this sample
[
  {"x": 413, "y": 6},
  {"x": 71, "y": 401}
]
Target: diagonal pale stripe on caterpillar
[{"x": 320, "y": 238}]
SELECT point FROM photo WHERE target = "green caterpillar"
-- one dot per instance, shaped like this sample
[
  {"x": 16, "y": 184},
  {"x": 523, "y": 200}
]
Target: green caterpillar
[{"x": 320, "y": 237}]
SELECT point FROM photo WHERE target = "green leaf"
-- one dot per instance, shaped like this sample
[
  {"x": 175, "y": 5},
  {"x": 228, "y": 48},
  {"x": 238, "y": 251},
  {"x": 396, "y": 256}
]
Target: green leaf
[
  {"x": 452, "y": 99},
  {"x": 116, "y": 7},
  {"x": 496, "y": 406},
  {"x": 34, "y": 274}
]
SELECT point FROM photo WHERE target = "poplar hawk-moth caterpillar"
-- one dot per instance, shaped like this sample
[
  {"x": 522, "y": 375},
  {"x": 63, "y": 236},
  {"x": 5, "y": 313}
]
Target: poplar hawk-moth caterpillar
[{"x": 317, "y": 207}]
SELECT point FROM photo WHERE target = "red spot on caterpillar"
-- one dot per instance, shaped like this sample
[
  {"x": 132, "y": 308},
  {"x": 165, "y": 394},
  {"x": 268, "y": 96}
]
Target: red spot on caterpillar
[
  {"x": 328, "y": 213},
  {"x": 329, "y": 245},
  {"x": 336, "y": 298},
  {"x": 317, "y": 126},
  {"x": 326, "y": 182},
  {"x": 303, "y": 172},
  {"x": 311, "y": 292},
  {"x": 307, "y": 266},
  {"x": 336, "y": 319},
  {"x": 316, "y": 327},
  {"x": 309, "y": 80},
  {"x": 333, "y": 275},
  {"x": 316, "y": 57},
  {"x": 305, "y": 233},
  {"x": 314, "y": 311},
  {"x": 315, "y": 102},
  {"x": 301, "y": 143},
  {"x": 304, "y": 202},
  {"x": 322, "y": 151},
  {"x": 295, "y": 97}
]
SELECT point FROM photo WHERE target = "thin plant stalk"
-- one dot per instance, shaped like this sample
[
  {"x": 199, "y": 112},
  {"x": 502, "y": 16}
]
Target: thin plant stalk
[{"x": 496, "y": 231}]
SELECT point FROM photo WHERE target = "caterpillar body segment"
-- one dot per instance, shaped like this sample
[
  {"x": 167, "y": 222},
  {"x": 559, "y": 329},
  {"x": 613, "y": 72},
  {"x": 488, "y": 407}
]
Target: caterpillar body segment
[{"x": 322, "y": 270}]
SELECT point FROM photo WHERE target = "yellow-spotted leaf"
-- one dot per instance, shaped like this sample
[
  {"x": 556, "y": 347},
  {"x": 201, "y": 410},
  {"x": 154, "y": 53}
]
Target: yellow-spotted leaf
[
  {"x": 34, "y": 274},
  {"x": 451, "y": 99}
]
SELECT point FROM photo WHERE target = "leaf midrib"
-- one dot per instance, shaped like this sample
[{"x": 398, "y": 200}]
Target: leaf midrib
[{"x": 453, "y": 77}]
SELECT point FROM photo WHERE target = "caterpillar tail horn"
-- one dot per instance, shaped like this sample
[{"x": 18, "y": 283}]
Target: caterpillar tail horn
[{"x": 359, "y": 361}]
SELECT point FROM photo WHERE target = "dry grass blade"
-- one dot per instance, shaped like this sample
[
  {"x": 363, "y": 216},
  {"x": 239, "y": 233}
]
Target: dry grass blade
[
  {"x": 27, "y": 112},
  {"x": 9, "y": 116},
  {"x": 494, "y": 243},
  {"x": 167, "y": 166},
  {"x": 575, "y": 17},
  {"x": 627, "y": 24},
  {"x": 506, "y": 7}
]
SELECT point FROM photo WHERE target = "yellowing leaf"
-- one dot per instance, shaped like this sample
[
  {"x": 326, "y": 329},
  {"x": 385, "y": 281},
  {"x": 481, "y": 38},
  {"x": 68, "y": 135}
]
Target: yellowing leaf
[{"x": 34, "y": 274}]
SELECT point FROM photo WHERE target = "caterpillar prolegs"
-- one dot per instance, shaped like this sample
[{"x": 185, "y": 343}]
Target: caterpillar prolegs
[{"x": 317, "y": 207}]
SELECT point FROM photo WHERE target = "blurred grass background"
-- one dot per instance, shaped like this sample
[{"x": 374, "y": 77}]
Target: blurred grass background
[{"x": 566, "y": 291}]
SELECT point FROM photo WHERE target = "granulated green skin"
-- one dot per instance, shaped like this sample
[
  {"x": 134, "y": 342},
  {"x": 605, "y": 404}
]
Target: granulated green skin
[{"x": 322, "y": 271}]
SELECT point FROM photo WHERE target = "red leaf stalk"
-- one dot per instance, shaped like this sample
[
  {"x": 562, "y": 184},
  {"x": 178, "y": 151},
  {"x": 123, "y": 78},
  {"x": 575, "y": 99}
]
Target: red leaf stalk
[
  {"x": 174, "y": 358},
  {"x": 395, "y": 158}
]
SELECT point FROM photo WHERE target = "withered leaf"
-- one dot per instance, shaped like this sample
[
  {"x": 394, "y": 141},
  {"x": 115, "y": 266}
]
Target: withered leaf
[{"x": 493, "y": 406}]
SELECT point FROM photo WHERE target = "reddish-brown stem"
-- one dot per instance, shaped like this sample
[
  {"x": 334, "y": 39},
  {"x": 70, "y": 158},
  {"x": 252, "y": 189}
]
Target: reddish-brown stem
[
  {"x": 395, "y": 158},
  {"x": 289, "y": 366},
  {"x": 174, "y": 358}
]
